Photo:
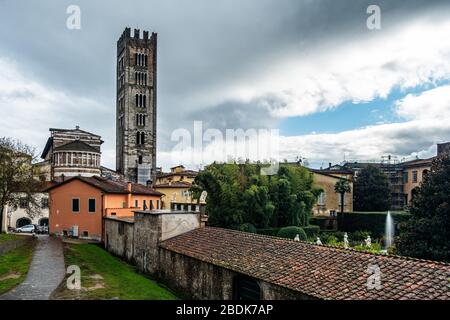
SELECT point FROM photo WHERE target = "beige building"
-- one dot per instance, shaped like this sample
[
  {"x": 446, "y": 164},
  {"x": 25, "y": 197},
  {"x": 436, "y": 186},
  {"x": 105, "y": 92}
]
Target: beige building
[
  {"x": 175, "y": 186},
  {"x": 413, "y": 173},
  {"x": 329, "y": 201}
]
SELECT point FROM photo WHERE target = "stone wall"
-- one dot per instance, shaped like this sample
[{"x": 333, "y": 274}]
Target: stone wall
[
  {"x": 192, "y": 278},
  {"x": 188, "y": 277},
  {"x": 119, "y": 238}
]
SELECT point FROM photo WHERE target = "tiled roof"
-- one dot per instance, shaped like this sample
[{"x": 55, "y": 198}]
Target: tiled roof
[
  {"x": 76, "y": 145},
  {"x": 174, "y": 184},
  {"x": 112, "y": 186},
  {"x": 187, "y": 173},
  {"x": 319, "y": 271}
]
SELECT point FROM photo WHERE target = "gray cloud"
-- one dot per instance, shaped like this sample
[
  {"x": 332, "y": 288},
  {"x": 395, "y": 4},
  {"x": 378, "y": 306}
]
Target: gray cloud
[{"x": 203, "y": 46}]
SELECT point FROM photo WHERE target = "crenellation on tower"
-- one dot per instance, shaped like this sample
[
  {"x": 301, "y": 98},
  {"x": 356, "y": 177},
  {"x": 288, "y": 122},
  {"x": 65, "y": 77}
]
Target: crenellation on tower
[{"x": 136, "y": 106}]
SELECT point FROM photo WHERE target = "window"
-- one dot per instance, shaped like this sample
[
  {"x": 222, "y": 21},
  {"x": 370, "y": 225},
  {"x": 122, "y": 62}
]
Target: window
[
  {"x": 85, "y": 234},
  {"x": 157, "y": 204},
  {"x": 75, "y": 205},
  {"x": 113, "y": 213},
  {"x": 151, "y": 204},
  {"x": 246, "y": 288},
  {"x": 44, "y": 203},
  {"x": 144, "y": 204},
  {"x": 136, "y": 203},
  {"x": 405, "y": 176},
  {"x": 91, "y": 205},
  {"x": 137, "y": 100},
  {"x": 414, "y": 174},
  {"x": 321, "y": 199},
  {"x": 140, "y": 159}
]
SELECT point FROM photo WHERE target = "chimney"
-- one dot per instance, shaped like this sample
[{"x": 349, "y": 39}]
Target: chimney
[
  {"x": 137, "y": 33},
  {"x": 329, "y": 165},
  {"x": 129, "y": 195}
]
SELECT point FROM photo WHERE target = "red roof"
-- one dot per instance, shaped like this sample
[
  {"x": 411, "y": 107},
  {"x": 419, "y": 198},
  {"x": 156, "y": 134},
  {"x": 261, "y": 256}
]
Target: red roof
[
  {"x": 111, "y": 186},
  {"x": 319, "y": 271}
]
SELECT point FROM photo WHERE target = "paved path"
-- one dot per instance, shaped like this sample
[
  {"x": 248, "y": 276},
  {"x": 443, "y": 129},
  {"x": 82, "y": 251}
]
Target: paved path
[{"x": 46, "y": 272}]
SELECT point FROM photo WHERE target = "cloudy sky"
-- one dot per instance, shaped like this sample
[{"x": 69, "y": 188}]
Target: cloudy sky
[{"x": 333, "y": 88}]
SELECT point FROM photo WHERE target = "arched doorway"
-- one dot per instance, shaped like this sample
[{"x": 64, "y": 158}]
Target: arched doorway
[
  {"x": 43, "y": 222},
  {"x": 246, "y": 288},
  {"x": 22, "y": 222}
]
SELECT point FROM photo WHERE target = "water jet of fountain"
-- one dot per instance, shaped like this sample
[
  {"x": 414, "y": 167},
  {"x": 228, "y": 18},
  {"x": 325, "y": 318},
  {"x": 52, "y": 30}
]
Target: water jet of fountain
[{"x": 389, "y": 231}]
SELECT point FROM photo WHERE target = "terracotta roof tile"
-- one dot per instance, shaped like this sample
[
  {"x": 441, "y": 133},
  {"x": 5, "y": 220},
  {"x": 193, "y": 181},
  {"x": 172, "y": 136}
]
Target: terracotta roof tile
[
  {"x": 112, "y": 186},
  {"x": 320, "y": 271}
]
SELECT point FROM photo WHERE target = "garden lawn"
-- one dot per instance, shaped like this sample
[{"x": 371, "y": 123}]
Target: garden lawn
[
  {"x": 8, "y": 237},
  {"x": 104, "y": 276},
  {"x": 14, "y": 266}
]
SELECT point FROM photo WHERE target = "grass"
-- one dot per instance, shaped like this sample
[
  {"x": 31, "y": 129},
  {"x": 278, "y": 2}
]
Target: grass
[
  {"x": 104, "y": 276},
  {"x": 8, "y": 237},
  {"x": 14, "y": 266}
]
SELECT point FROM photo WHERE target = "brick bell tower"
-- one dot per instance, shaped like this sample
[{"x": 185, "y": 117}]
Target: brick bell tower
[{"x": 136, "y": 106}]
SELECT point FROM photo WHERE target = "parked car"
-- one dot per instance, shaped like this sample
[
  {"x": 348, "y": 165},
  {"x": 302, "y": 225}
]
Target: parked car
[
  {"x": 42, "y": 229},
  {"x": 29, "y": 228}
]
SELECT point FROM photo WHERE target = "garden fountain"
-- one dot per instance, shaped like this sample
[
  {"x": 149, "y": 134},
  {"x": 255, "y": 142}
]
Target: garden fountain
[{"x": 389, "y": 231}]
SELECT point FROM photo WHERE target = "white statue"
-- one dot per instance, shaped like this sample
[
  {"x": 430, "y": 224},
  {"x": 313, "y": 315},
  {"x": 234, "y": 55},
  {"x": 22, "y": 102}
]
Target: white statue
[
  {"x": 345, "y": 240},
  {"x": 368, "y": 242},
  {"x": 203, "y": 196},
  {"x": 318, "y": 241},
  {"x": 297, "y": 237}
]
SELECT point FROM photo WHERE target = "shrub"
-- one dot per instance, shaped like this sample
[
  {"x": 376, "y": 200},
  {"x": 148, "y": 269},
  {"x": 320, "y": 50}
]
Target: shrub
[
  {"x": 291, "y": 232},
  {"x": 373, "y": 222},
  {"x": 311, "y": 231},
  {"x": 268, "y": 231},
  {"x": 247, "y": 227}
]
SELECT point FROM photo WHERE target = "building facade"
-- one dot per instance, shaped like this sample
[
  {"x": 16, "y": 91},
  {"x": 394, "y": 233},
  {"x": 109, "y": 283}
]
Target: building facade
[
  {"x": 70, "y": 152},
  {"x": 175, "y": 186},
  {"x": 329, "y": 202},
  {"x": 404, "y": 176},
  {"x": 136, "y": 106},
  {"x": 79, "y": 204}
]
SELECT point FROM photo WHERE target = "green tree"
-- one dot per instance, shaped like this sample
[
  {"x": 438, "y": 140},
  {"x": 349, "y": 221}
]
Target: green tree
[
  {"x": 426, "y": 234},
  {"x": 342, "y": 187},
  {"x": 371, "y": 190},
  {"x": 17, "y": 177},
  {"x": 238, "y": 194}
]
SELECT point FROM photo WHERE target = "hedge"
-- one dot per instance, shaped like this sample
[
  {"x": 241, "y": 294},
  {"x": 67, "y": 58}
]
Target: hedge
[
  {"x": 373, "y": 222},
  {"x": 268, "y": 231},
  {"x": 311, "y": 231},
  {"x": 318, "y": 221},
  {"x": 291, "y": 232}
]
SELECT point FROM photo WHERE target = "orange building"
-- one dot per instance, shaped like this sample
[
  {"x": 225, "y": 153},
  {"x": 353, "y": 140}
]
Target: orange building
[{"x": 79, "y": 204}]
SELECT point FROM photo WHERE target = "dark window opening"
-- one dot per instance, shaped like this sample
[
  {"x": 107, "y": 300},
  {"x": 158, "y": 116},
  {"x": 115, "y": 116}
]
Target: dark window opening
[
  {"x": 140, "y": 161},
  {"x": 92, "y": 205},
  {"x": 75, "y": 205},
  {"x": 246, "y": 288},
  {"x": 85, "y": 234}
]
